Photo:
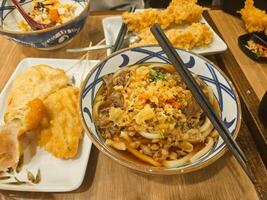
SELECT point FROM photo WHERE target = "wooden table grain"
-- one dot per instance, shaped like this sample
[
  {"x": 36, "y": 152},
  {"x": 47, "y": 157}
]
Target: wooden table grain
[
  {"x": 232, "y": 27},
  {"x": 105, "y": 179},
  {"x": 249, "y": 77}
]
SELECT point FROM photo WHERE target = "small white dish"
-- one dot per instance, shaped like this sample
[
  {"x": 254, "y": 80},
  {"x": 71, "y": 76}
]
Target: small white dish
[
  {"x": 57, "y": 175},
  {"x": 111, "y": 26}
]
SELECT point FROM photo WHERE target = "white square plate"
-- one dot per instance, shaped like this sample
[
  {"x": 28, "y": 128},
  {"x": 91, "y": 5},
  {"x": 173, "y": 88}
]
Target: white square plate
[
  {"x": 111, "y": 26},
  {"x": 57, "y": 175}
]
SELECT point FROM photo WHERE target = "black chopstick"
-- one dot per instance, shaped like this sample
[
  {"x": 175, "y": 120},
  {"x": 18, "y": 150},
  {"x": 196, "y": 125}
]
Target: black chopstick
[
  {"x": 189, "y": 80},
  {"x": 123, "y": 30},
  {"x": 201, "y": 99}
]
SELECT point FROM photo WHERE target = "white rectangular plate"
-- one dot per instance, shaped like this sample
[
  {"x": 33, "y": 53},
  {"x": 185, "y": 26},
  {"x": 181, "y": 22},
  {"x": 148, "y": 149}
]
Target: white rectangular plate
[
  {"x": 57, "y": 175},
  {"x": 111, "y": 26}
]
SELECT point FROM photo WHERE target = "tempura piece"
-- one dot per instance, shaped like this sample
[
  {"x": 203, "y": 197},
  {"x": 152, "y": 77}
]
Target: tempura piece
[
  {"x": 35, "y": 82},
  {"x": 193, "y": 36},
  {"x": 185, "y": 11},
  {"x": 64, "y": 129},
  {"x": 23, "y": 120},
  {"x": 27, "y": 118},
  {"x": 9, "y": 147},
  {"x": 145, "y": 19},
  {"x": 179, "y": 11},
  {"x": 40, "y": 101},
  {"x": 25, "y": 109},
  {"x": 254, "y": 18}
]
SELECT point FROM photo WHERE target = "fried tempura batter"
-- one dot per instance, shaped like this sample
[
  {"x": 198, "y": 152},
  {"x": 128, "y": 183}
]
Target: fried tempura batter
[
  {"x": 9, "y": 147},
  {"x": 34, "y": 82},
  {"x": 64, "y": 130},
  {"x": 254, "y": 18},
  {"x": 179, "y": 11},
  {"x": 28, "y": 117},
  {"x": 25, "y": 119},
  {"x": 193, "y": 36},
  {"x": 36, "y": 95}
]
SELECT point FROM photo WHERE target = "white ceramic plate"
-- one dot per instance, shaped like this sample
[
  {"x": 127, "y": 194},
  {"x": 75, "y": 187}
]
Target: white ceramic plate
[
  {"x": 111, "y": 26},
  {"x": 57, "y": 175}
]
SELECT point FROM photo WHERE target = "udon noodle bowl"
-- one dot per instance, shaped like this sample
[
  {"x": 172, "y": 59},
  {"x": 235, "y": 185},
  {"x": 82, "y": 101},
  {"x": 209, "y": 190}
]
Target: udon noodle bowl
[{"x": 148, "y": 112}]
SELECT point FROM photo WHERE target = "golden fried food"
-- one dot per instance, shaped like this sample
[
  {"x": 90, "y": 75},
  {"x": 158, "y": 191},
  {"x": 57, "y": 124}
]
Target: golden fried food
[
  {"x": 30, "y": 87},
  {"x": 254, "y": 18},
  {"x": 193, "y": 36},
  {"x": 40, "y": 101},
  {"x": 23, "y": 120},
  {"x": 64, "y": 129},
  {"x": 179, "y": 11},
  {"x": 9, "y": 147},
  {"x": 35, "y": 82},
  {"x": 145, "y": 19},
  {"x": 25, "y": 109},
  {"x": 185, "y": 11},
  {"x": 27, "y": 118}
]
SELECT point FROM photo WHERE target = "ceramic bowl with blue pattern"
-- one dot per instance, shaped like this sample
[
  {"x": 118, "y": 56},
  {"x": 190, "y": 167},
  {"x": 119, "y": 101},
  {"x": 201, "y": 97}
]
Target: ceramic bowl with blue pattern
[
  {"x": 51, "y": 38},
  {"x": 223, "y": 90}
]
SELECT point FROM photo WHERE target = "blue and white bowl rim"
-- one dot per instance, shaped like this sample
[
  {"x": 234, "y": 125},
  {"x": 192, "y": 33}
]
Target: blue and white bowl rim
[
  {"x": 150, "y": 50},
  {"x": 2, "y": 8}
]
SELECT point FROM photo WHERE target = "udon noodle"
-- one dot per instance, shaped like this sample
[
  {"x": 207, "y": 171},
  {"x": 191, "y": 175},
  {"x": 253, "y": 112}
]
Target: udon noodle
[{"x": 148, "y": 111}]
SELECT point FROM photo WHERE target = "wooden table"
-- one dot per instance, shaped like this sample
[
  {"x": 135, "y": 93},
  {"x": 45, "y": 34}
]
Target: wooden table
[
  {"x": 105, "y": 179},
  {"x": 249, "y": 77}
]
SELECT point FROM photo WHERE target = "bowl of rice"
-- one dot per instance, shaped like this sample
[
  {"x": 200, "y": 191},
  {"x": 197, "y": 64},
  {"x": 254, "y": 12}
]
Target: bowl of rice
[{"x": 67, "y": 16}]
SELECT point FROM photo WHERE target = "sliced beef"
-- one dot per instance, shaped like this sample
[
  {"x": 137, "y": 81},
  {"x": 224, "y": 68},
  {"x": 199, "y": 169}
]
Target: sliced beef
[
  {"x": 116, "y": 98},
  {"x": 193, "y": 113},
  {"x": 120, "y": 79}
]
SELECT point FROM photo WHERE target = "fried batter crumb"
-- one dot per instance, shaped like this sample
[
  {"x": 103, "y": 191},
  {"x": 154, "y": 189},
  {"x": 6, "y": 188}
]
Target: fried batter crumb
[
  {"x": 255, "y": 19},
  {"x": 193, "y": 36},
  {"x": 178, "y": 12},
  {"x": 62, "y": 136}
]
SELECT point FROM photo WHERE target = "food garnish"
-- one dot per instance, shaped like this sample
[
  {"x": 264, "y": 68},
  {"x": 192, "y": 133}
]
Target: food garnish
[
  {"x": 49, "y": 12},
  {"x": 156, "y": 74},
  {"x": 259, "y": 50}
]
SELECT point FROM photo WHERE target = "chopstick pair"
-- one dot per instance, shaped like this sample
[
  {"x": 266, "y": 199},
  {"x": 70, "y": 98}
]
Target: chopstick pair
[
  {"x": 201, "y": 99},
  {"x": 123, "y": 31}
]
